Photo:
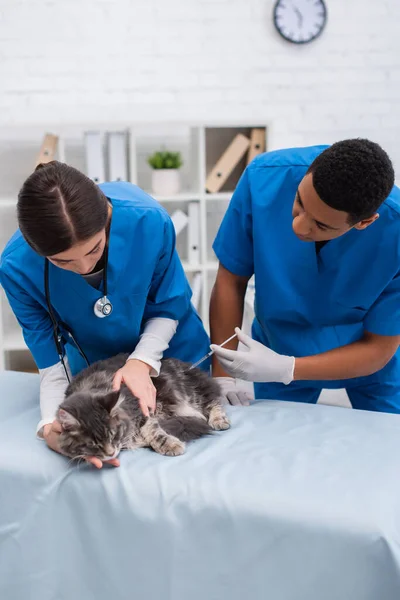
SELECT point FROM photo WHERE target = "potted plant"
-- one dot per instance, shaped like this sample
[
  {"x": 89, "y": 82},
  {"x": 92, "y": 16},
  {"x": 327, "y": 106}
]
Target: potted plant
[{"x": 166, "y": 176}]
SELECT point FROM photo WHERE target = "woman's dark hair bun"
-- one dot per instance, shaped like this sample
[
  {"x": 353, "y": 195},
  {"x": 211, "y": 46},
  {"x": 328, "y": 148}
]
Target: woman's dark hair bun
[
  {"x": 58, "y": 206},
  {"x": 43, "y": 165}
]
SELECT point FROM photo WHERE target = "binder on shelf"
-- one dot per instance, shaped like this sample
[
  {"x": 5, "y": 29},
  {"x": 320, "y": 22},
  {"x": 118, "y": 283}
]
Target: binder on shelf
[
  {"x": 197, "y": 284},
  {"x": 47, "y": 149},
  {"x": 94, "y": 156},
  {"x": 117, "y": 146},
  {"x": 193, "y": 233},
  {"x": 228, "y": 161},
  {"x": 179, "y": 220},
  {"x": 257, "y": 143}
]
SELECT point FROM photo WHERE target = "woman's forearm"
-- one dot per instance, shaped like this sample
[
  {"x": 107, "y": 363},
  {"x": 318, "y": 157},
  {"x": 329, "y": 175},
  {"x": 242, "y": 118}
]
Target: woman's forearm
[
  {"x": 53, "y": 383},
  {"x": 153, "y": 342}
]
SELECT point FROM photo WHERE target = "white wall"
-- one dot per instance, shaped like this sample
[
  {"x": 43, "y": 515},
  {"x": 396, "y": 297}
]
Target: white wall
[{"x": 85, "y": 60}]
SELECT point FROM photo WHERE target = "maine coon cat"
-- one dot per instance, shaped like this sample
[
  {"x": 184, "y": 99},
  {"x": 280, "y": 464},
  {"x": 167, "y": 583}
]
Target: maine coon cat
[{"x": 100, "y": 422}]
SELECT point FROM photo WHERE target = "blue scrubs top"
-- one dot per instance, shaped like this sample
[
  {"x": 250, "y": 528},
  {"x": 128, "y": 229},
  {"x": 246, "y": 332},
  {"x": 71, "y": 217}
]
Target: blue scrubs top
[
  {"x": 307, "y": 303},
  {"x": 145, "y": 280}
]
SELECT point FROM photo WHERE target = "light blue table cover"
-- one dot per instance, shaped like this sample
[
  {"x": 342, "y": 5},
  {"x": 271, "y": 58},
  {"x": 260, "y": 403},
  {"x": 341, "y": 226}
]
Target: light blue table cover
[{"x": 295, "y": 502}]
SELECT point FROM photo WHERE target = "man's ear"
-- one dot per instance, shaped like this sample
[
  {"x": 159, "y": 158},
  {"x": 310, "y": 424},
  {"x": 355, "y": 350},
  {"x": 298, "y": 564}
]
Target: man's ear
[
  {"x": 366, "y": 222},
  {"x": 110, "y": 400},
  {"x": 67, "y": 420}
]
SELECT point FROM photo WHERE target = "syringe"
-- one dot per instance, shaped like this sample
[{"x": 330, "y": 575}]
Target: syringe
[{"x": 196, "y": 364}]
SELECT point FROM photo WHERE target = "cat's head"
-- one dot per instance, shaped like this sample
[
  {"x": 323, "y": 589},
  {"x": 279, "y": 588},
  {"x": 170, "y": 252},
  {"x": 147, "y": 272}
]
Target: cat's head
[{"x": 92, "y": 425}]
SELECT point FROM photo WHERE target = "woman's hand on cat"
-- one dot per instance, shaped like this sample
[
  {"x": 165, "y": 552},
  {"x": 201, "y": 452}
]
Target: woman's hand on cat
[
  {"x": 96, "y": 462},
  {"x": 136, "y": 376},
  {"x": 51, "y": 435}
]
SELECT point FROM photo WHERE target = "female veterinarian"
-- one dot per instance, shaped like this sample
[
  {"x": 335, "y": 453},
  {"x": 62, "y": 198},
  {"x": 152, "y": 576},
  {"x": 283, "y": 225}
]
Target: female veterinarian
[
  {"x": 320, "y": 229},
  {"x": 93, "y": 271}
]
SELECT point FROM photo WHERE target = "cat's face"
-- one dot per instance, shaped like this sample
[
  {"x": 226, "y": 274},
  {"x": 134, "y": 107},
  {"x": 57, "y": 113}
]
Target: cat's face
[{"x": 92, "y": 426}]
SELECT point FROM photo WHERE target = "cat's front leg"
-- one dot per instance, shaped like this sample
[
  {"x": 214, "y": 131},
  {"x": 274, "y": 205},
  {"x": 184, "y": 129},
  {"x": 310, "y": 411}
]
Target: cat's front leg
[
  {"x": 217, "y": 418},
  {"x": 135, "y": 441},
  {"x": 160, "y": 440}
]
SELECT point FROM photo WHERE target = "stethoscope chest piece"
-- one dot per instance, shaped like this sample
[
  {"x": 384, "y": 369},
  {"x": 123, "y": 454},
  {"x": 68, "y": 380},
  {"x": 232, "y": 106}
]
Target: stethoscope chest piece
[{"x": 103, "y": 307}]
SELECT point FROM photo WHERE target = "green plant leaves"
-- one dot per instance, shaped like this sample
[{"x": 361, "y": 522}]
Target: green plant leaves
[{"x": 165, "y": 160}]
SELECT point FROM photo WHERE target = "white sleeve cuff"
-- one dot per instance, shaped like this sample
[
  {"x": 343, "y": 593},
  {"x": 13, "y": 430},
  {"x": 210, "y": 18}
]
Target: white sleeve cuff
[
  {"x": 53, "y": 383},
  {"x": 153, "y": 342}
]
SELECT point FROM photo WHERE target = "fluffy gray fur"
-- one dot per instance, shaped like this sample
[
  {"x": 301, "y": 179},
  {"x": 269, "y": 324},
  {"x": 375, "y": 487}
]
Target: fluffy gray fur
[{"x": 100, "y": 422}]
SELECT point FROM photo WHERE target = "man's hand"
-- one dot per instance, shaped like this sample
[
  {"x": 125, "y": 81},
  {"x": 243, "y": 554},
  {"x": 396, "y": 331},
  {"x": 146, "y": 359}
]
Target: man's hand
[
  {"x": 136, "y": 376},
  {"x": 231, "y": 394},
  {"x": 51, "y": 434},
  {"x": 256, "y": 363}
]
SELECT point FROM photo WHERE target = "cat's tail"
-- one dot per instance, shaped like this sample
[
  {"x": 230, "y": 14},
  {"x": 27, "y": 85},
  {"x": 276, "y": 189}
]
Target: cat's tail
[{"x": 186, "y": 429}]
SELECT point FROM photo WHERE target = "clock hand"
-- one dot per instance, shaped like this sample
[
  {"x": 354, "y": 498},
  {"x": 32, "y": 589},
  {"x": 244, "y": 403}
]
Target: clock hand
[{"x": 300, "y": 16}]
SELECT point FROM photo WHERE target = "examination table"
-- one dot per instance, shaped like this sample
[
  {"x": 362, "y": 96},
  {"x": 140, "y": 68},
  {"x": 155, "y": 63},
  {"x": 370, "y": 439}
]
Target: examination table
[{"x": 294, "y": 502}]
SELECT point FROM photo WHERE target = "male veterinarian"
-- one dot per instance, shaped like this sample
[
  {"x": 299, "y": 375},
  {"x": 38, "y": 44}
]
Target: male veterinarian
[{"x": 319, "y": 227}]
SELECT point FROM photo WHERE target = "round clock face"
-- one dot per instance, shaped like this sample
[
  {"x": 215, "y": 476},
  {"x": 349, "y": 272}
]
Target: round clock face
[{"x": 300, "y": 21}]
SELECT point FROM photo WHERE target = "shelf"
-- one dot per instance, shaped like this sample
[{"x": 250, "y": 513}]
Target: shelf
[
  {"x": 14, "y": 341},
  {"x": 8, "y": 202},
  {"x": 212, "y": 265},
  {"x": 219, "y": 196},
  {"x": 209, "y": 266},
  {"x": 192, "y": 196},
  {"x": 188, "y": 268},
  {"x": 181, "y": 197}
]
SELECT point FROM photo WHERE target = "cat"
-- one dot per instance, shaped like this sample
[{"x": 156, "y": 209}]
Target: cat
[{"x": 97, "y": 421}]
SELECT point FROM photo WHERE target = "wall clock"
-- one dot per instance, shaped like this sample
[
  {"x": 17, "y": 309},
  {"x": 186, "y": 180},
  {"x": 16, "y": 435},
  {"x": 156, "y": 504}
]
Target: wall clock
[{"x": 300, "y": 21}]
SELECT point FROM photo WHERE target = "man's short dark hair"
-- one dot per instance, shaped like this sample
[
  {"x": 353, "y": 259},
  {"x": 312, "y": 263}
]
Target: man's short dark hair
[{"x": 354, "y": 176}]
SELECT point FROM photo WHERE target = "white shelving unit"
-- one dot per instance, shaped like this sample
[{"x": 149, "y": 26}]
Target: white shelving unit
[{"x": 200, "y": 145}]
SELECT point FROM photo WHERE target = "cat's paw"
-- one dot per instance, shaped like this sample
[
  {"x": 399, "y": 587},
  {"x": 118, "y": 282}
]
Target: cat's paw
[
  {"x": 220, "y": 423},
  {"x": 172, "y": 447}
]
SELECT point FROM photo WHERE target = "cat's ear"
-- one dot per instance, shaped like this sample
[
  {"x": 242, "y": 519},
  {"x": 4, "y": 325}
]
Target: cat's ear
[
  {"x": 67, "y": 420},
  {"x": 110, "y": 400}
]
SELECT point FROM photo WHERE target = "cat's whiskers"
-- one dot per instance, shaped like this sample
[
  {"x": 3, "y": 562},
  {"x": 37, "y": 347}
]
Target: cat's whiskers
[
  {"x": 78, "y": 459},
  {"x": 71, "y": 460}
]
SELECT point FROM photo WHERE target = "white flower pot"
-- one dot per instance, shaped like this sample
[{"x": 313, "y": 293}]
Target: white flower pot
[{"x": 165, "y": 182}]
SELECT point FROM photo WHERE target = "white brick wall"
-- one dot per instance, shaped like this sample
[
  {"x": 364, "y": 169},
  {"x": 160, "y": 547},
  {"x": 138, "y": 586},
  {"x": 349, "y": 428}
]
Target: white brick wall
[{"x": 102, "y": 60}]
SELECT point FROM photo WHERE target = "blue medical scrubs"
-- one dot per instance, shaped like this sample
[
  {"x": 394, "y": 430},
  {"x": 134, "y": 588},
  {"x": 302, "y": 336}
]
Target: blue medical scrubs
[
  {"x": 145, "y": 280},
  {"x": 308, "y": 302}
]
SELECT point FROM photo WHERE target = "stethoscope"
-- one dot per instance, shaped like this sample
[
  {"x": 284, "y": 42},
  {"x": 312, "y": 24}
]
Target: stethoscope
[{"x": 102, "y": 308}]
